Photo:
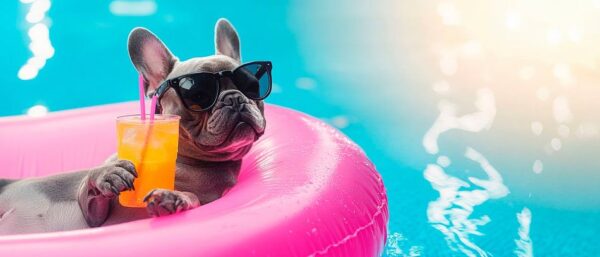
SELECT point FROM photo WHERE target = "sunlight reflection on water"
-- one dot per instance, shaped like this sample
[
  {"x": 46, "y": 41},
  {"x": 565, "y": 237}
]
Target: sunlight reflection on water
[
  {"x": 524, "y": 244},
  {"x": 451, "y": 212},
  {"x": 397, "y": 246},
  {"x": 39, "y": 36}
]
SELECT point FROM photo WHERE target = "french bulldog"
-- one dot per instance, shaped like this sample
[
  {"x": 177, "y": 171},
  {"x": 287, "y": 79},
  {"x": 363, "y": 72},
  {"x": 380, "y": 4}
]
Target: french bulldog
[{"x": 211, "y": 146}]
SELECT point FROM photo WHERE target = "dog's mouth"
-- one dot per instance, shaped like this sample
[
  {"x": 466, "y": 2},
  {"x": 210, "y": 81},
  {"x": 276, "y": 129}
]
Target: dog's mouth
[
  {"x": 241, "y": 135},
  {"x": 233, "y": 133}
]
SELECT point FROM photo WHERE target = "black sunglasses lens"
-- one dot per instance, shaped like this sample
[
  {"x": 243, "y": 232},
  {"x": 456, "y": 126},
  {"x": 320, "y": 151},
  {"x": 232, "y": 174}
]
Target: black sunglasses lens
[
  {"x": 198, "y": 92},
  {"x": 254, "y": 80}
]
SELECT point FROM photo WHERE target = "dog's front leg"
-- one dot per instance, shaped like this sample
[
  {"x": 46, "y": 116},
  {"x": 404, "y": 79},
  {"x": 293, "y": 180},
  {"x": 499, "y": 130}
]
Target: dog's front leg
[
  {"x": 101, "y": 186},
  {"x": 161, "y": 202}
]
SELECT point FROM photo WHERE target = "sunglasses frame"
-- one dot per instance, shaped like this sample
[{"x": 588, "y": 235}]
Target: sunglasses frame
[{"x": 174, "y": 83}]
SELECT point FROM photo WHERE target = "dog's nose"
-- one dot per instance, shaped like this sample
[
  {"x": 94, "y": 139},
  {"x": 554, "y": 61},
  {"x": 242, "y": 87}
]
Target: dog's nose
[{"x": 233, "y": 98}]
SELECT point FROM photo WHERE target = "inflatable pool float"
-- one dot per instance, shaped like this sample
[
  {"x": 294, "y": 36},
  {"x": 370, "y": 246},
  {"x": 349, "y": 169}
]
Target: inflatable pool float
[{"x": 304, "y": 190}]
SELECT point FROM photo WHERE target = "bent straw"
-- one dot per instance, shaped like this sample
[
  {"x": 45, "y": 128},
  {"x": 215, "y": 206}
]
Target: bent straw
[
  {"x": 142, "y": 97},
  {"x": 146, "y": 141},
  {"x": 143, "y": 117},
  {"x": 149, "y": 131},
  {"x": 152, "y": 108}
]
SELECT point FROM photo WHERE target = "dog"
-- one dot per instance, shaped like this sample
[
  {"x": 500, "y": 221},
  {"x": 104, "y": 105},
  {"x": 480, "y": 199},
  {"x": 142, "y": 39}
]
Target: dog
[{"x": 211, "y": 146}]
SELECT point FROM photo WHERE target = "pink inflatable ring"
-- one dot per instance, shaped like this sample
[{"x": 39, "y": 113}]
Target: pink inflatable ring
[{"x": 304, "y": 190}]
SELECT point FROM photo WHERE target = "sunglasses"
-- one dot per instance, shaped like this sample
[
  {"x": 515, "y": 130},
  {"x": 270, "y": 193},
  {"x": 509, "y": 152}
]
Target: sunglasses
[{"x": 199, "y": 91}]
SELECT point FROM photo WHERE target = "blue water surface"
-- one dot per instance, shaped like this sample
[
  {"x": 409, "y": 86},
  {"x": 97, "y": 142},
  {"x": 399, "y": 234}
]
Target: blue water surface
[{"x": 487, "y": 142}]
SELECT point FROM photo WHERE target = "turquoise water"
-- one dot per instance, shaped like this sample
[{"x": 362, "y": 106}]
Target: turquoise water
[{"x": 484, "y": 127}]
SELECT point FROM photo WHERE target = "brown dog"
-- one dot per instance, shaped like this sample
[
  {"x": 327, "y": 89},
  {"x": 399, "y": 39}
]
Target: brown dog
[{"x": 211, "y": 146}]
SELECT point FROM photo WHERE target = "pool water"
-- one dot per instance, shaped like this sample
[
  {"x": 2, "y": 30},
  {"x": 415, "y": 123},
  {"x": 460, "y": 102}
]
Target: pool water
[{"x": 481, "y": 117}]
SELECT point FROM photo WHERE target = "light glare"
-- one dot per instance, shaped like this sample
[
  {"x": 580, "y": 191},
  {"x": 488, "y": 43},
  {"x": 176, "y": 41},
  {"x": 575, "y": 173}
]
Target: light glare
[{"x": 37, "y": 111}]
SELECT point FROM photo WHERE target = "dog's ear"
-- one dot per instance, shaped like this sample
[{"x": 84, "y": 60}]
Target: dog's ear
[
  {"x": 227, "y": 41},
  {"x": 150, "y": 57}
]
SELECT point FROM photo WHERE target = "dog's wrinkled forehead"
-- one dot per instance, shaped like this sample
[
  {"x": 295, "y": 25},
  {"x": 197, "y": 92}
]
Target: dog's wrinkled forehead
[{"x": 213, "y": 64}]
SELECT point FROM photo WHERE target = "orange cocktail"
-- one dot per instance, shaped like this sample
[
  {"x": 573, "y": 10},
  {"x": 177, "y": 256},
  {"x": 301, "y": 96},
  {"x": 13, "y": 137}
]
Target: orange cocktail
[{"x": 152, "y": 147}]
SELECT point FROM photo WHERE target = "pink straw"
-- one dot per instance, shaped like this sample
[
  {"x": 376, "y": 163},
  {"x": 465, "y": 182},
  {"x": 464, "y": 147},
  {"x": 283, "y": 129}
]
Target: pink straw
[
  {"x": 142, "y": 97},
  {"x": 152, "y": 108},
  {"x": 151, "y": 125}
]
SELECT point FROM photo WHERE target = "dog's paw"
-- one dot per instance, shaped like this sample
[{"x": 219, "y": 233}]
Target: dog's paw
[
  {"x": 115, "y": 177},
  {"x": 162, "y": 202}
]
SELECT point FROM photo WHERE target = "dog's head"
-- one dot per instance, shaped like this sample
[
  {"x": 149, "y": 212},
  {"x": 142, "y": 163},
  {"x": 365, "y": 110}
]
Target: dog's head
[{"x": 228, "y": 129}]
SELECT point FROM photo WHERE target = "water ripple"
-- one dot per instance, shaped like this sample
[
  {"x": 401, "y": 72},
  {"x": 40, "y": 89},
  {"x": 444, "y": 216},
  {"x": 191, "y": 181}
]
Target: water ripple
[
  {"x": 474, "y": 122},
  {"x": 451, "y": 212},
  {"x": 524, "y": 244},
  {"x": 396, "y": 246}
]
